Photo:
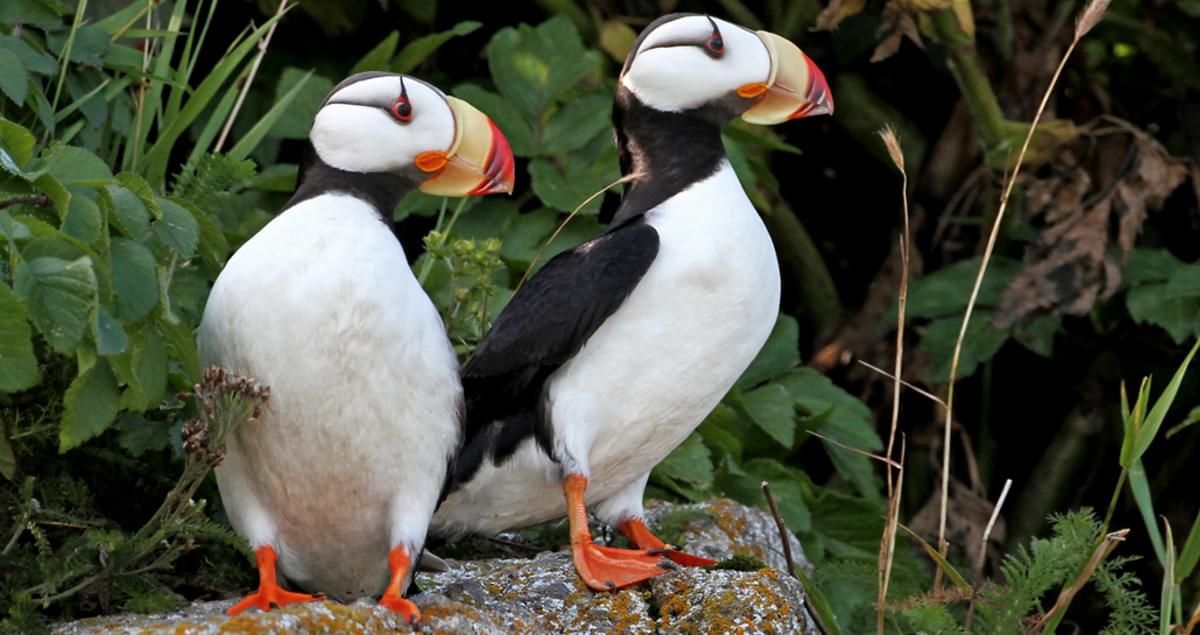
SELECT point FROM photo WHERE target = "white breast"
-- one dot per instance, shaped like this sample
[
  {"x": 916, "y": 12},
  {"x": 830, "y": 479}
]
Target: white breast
[
  {"x": 350, "y": 453},
  {"x": 651, "y": 373}
]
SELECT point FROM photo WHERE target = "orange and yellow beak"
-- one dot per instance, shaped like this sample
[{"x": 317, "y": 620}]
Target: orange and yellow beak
[
  {"x": 795, "y": 88},
  {"x": 479, "y": 161}
]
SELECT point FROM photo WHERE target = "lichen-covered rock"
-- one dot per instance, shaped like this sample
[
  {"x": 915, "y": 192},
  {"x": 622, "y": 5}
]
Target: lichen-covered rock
[{"x": 542, "y": 594}]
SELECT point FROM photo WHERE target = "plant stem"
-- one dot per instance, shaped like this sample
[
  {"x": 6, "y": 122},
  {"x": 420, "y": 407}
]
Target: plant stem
[
  {"x": 972, "y": 80},
  {"x": 262, "y": 52}
]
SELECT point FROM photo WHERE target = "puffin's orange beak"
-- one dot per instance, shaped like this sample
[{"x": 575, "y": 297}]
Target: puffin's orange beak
[
  {"x": 478, "y": 162},
  {"x": 795, "y": 88}
]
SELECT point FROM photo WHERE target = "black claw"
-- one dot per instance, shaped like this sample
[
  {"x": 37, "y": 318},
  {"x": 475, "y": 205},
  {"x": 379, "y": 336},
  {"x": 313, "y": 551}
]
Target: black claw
[
  {"x": 661, "y": 551},
  {"x": 668, "y": 565},
  {"x": 612, "y": 586}
]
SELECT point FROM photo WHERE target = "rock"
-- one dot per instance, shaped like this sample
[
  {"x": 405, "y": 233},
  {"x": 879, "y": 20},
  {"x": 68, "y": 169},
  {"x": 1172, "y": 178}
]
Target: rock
[{"x": 542, "y": 594}]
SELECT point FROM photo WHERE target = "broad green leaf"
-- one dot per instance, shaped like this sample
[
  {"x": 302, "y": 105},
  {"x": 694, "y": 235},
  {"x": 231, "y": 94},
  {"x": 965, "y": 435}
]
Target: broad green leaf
[
  {"x": 576, "y": 123},
  {"x": 780, "y": 354},
  {"x": 139, "y": 435},
  {"x": 533, "y": 66},
  {"x": 506, "y": 114},
  {"x": 280, "y": 177},
  {"x": 148, "y": 362},
  {"x": 181, "y": 346},
  {"x": 14, "y": 79},
  {"x": 720, "y": 431},
  {"x": 51, "y": 187},
  {"x": 526, "y": 235},
  {"x": 421, "y": 48},
  {"x": 850, "y": 526},
  {"x": 89, "y": 47},
  {"x": 73, "y": 165},
  {"x": 689, "y": 462},
  {"x": 378, "y": 57},
  {"x": 83, "y": 220},
  {"x": 982, "y": 342},
  {"x": 110, "y": 335},
  {"x": 1152, "y": 304},
  {"x": 178, "y": 229},
  {"x": 17, "y": 141},
  {"x": 129, "y": 213},
  {"x": 1185, "y": 283},
  {"x": 31, "y": 12},
  {"x": 140, "y": 188},
  {"x": 35, "y": 61},
  {"x": 296, "y": 121},
  {"x": 89, "y": 406},
  {"x": 565, "y": 188},
  {"x": 18, "y": 364},
  {"x": 1150, "y": 265},
  {"x": 214, "y": 247},
  {"x": 787, "y": 486},
  {"x": 282, "y": 107},
  {"x": 134, "y": 279},
  {"x": 1038, "y": 334},
  {"x": 60, "y": 297},
  {"x": 844, "y": 417},
  {"x": 945, "y": 292},
  {"x": 773, "y": 410}
]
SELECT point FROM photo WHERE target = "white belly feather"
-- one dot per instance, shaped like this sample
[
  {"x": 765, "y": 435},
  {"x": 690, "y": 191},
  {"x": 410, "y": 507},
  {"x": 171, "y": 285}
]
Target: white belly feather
[
  {"x": 349, "y": 455},
  {"x": 651, "y": 373}
]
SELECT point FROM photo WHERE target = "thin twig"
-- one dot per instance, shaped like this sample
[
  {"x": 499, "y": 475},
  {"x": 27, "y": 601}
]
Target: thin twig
[
  {"x": 913, "y": 387},
  {"x": 987, "y": 531},
  {"x": 262, "y": 52},
  {"x": 783, "y": 530},
  {"x": 1090, "y": 16},
  {"x": 32, "y": 199},
  {"x": 869, "y": 455},
  {"x": 1100, "y": 553}
]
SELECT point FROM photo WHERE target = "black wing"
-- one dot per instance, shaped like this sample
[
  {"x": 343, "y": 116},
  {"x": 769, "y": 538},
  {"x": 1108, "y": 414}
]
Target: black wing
[{"x": 545, "y": 323}]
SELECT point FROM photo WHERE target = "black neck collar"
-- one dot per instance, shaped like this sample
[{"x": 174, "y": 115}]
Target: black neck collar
[
  {"x": 671, "y": 150},
  {"x": 382, "y": 190}
]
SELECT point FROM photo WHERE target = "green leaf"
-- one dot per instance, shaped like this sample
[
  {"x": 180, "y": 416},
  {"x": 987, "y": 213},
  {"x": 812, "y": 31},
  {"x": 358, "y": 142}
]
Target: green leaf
[
  {"x": 14, "y": 79},
  {"x": 89, "y": 47},
  {"x": 136, "y": 184},
  {"x": 73, "y": 165},
  {"x": 1190, "y": 554},
  {"x": 181, "y": 346},
  {"x": 1152, "y": 304},
  {"x": 60, "y": 297},
  {"x": 982, "y": 342},
  {"x": 506, "y": 114},
  {"x": 773, "y": 410},
  {"x": 31, "y": 12},
  {"x": 129, "y": 213},
  {"x": 565, "y": 189},
  {"x": 18, "y": 364},
  {"x": 534, "y": 66},
  {"x": 780, "y": 354},
  {"x": 1150, "y": 265},
  {"x": 139, "y": 435},
  {"x": 134, "y": 279},
  {"x": 689, "y": 462},
  {"x": 35, "y": 61},
  {"x": 1185, "y": 283},
  {"x": 377, "y": 58},
  {"x": 282, "y": 107},
  {"x": 18, "y": 141},
  {"x": 110, "y": 335},
  {"x": 8, "y": 460},
  {"x": 787, "y": 486},
  {"x": 1191, "y": 419},
  {"x": 60, "y": 195},
  {"x": 421, "y": 48},
  {"x": 576, "y": 123},
  {"x": 1154, "y": 419},
  {"x": 1038, "y": 334},
  {"x": 945, "y": 292},
  {"x": 89, "y": 406},
  {"x": 295, "y": 122},
  {"x": 178, "y": 229},
  {"x": 148, "y": 362},
  {"x": 83, "y": 220}
]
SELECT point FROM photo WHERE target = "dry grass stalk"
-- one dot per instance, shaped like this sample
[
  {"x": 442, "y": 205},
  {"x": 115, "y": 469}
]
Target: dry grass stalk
[
  {"x": 783, "y": 531},
  {"x": 1099, "y": 554},
  {"x": 987, "y": 531},
  {"x": 913, "y": 387},
  {"x": 887, "y": 542},
  {"x": 870, "y": 455},
  {"x": 237, "y": 105},
  {"x": 1088, "y": 19}
]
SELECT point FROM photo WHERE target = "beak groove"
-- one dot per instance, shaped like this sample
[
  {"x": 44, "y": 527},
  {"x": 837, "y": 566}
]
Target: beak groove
[
  {"x": 479, "y": 161},
  {"x": 796, "y": 87}
]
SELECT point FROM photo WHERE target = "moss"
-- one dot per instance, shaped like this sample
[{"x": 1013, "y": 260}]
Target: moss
[
  {"x": 671, "y": 525},
  {"x": 739, "y": 562}
]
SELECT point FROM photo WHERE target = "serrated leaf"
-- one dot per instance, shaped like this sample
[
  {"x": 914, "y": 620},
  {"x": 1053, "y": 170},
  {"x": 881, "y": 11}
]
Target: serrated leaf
[
  {"x": 945, "y": 292},
  {"x": 35, "y": 61},
  {"x": 83, "y": 220},
  {"x": 689, "y": 462},
  {"x": 60, "y": 297},
  {"x": 110, "y": 335},
  {"x": 507, "y": 116},
  {"x": 129, "y": 212},
  {"x": 1149, "y": 265},
  {"x": 421, "y": 48},
  {"x": 89, "y": 406},
  {"x": 565, "y": 188},
  {"x": 1038, "y": 334},
  {"x": 139, "y": 435},
  {"x": 576, "y": 123},
  {"x": 73, "y": 165},
  {"x": 178, "y": 229},
  {"x": 982, "y": 342},
  {"x": 88, "y": 48},
  {"x": 32, "y": 12},
  {"x": 148, "y": 363},
  {"x": 18, "y": 364},
  {"x": 377, "y": 58},
  {"x": 14, "y": 79},
  {"x": 533, "y": 66},
  {"x": 1185, "y": 283},
  {"x": 773, "y": 410},
  {"x": 787, "y": 486},
  {"x": 134, "y": 280},
  {"x": 780, "y": 354},
  {"x": 1151, "y": 304},
  {"x": 51, "y": 187},
  {"x": 140, "y": 188},
  {"x": 18, "y": 141},
  {"x": 181, "y": 345}
]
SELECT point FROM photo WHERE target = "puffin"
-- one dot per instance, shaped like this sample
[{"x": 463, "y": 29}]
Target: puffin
[
  {"x": 334, "y": 484},
  {"x": 614, "y": 352}
]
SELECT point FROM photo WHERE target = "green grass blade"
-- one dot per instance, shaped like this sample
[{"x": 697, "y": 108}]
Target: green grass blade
[
  {"x": 1165, "y": 610},
  {"x": 216, "y": 119},
  {"x": 1158, "y": 413},
  {"x": 1140, "y": 486},
  {"x": 64, "y": 62},
  {"x": 1191, "y": 552},
  {"x": 1133, "y": 424},
  {"x": 820, "y": 606},
  {"x": 252, "y": 138},
  {"x": 150, "y": 104},
  {"x": 943, "y": 564},
  {"x": 154, "y": 164}
]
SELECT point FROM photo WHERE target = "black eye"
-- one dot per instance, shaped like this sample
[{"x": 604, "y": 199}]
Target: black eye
[
  {"x": 715, "y": 44},
  {"x": 402, "y": 109}
]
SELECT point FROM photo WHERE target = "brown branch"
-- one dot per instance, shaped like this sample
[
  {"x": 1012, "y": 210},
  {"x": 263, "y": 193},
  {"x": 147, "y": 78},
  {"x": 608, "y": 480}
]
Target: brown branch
[
  {"x": 783, "y": 530},
  {"x": 32, "y": 199}
]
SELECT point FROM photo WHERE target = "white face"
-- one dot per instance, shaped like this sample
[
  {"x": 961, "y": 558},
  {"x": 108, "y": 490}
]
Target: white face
[
  {"x": 676, "y": 68},
  {"x": 362, "y": 127}
]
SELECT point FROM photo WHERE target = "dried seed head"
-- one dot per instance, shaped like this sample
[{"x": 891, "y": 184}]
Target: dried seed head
[
  {"x": 1091, "y": 16},
  {"x": 892, "y": 142}
]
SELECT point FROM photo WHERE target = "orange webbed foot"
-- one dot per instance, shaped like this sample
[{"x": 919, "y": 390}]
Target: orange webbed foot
[
  {"x": 269, "y": 593},
  {"x": 400, "y": 563},
  {"x": 636, "y": 531},
  {"x": 610, "y": 569}
]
